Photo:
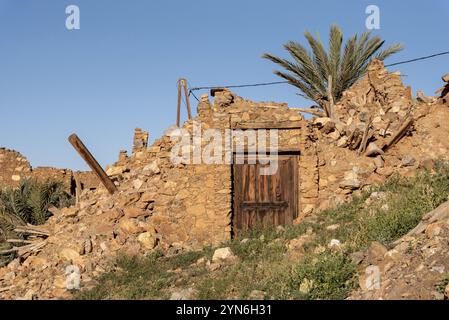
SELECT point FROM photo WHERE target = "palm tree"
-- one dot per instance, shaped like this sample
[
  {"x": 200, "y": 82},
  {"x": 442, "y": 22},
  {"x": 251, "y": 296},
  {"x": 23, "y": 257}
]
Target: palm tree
[
  {"x": 29, "y": 203},
  {"x": 322, "y": 77}
]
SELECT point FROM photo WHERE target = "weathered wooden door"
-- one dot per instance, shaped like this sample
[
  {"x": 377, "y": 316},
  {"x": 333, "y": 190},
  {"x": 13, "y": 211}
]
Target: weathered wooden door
[{"x": 262, "y": 201}]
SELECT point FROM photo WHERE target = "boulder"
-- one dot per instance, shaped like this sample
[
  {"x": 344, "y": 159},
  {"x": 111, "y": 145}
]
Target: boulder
[
  {"x": 321, "y": 122},
  {"x": 385, "y": 171},
  {"x": 373, "y": 150},
  {"x": 328, "y": 127},
  {"x": 134, "y": 212},
  {"x": 376, "y": 252},
  {"x": 114, "y": 171},
  {"x": 257, "y": 295},
  {"x": 335, "y": 244},
  {"x": 408, "y": 161},
  {"x": 129, "y": 226},
  {"x": 342, "y": 142},
  {"x": 223, "y": 255},
  {"x": 379, "y": 162},
  {"x": 137, "y": 184},
  {"x": 148, "y": 240},
  {"x": 69, "y": 212},
  {"x": 148, "y": 197},
  {"x": 152, "y": 168},
  {"x": 420, "y": 96},
  {"x": 335, "y": 135},
  {"x": 184, "y": 294},
  {"x": 69, "y": 254},
  {"x": 351, "y": 184}
]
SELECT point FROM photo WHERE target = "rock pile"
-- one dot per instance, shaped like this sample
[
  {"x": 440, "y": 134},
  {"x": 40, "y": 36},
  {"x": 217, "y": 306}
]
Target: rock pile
[
  {"x": 370, "y": 113},
  {"x": 445, "y": 89}
]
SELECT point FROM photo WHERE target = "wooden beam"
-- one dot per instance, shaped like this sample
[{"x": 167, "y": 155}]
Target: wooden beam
[
  {"x": 441, "y": 89},
  {"x": 92, "y": 163},
  {"x": 445, "y": 78},
  {"x": 398, "y": 135},
  {"x": 365, "y": 137},
  {"x": 269, "y": 125},
  {"x": 311, "y": 111}
]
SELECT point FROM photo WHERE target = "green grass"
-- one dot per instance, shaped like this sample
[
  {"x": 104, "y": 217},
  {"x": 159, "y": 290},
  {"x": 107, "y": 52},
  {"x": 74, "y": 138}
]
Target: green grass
[
  {"x": 442, "y": 284},
  {"x": 263, "y": 263}
]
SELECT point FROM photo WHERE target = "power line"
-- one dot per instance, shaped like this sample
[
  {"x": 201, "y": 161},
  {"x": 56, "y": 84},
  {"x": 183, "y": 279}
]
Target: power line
[
  {"x": 240, "y": 85},
  {"x": 191, "y": 92},
  {"x": 418, "y": 59},
  {"x": 283, "y": 82}
]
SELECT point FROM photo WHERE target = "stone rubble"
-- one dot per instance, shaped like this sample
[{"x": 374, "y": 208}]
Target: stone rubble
[{"x": 413, "y": 268}]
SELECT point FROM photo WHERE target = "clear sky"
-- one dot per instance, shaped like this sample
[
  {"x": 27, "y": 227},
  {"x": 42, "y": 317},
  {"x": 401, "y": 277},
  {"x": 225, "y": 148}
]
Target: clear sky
[{"x": 119, "y": 71}]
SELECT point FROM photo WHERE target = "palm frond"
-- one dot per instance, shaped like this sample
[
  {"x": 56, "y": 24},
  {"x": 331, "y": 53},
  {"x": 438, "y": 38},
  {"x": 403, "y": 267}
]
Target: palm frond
[
  {"x": 390, "y": 51},
  {"x": 310, "y": 71}
]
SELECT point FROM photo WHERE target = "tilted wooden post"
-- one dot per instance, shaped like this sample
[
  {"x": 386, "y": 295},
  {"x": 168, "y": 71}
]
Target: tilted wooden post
[{"x": 92, "y": 163}]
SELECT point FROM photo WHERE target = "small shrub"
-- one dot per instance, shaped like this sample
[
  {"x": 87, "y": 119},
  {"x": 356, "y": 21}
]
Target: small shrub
[{"x": 327, "y": 276}]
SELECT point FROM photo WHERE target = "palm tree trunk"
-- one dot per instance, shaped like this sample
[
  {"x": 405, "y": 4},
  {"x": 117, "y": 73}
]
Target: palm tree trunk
[{"x": 330, "y": 99}]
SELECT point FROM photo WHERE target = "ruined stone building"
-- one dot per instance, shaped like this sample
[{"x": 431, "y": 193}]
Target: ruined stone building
[
  {"x": 322, "y": 162},
  {"x": 204, "y": 198}
]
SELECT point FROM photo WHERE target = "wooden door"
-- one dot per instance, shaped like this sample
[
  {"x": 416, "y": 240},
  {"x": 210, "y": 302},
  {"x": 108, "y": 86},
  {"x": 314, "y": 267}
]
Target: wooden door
[{"x": 263, "y": 201}]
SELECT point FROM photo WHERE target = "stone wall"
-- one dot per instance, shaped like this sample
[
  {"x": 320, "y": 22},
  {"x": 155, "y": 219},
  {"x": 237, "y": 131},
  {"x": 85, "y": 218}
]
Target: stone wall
[
  {"x": 191, "y": 204},
  {"x": 13, "y": 167}
]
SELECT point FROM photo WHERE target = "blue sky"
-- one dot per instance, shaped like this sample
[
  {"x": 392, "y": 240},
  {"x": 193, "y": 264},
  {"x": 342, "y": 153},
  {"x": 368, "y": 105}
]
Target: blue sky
[{"x": 119, "y": 71}]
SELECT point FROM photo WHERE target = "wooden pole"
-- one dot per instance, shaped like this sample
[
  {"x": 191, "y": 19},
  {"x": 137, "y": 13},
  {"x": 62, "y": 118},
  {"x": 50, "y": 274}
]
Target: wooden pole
[
  {"x": 184, "y": 83},
  {"x": 178, "y": 112},
  {"x": 92, "y": 163}
]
